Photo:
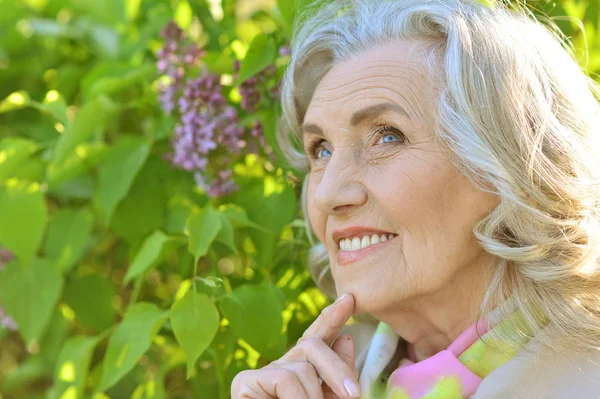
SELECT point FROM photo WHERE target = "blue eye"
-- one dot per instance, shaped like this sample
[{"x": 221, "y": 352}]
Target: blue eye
[
  {"x": 314, "y": 148},
  {"x": 325, "y": 150},
  {"x": 390, "y": 135}
]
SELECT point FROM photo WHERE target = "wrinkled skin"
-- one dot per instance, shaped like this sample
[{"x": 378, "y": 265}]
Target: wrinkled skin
[{"x": 429, "y": 282}]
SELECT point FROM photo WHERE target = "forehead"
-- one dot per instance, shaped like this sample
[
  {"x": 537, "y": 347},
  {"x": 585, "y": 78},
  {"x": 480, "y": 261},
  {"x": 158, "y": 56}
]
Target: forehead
[{"x": 394, "y": 72}]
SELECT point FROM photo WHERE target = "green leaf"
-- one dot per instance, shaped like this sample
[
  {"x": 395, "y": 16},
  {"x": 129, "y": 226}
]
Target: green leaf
[
  {"x": 254, "y": 314},
  {"x": 23, "y": 215},
  {"x": 286, "y": 9},
  {"x": 91, "y": 298},
  {"x": 14, "y": 154},
  {"x": 143, "y": 210},
  {"x": 111, "y": 85},
  {"x": 202, "y": 228},
  {"x": 51, "y": 342},
  {"x": 81, "y": 161},
  {"x": 183, "y": 15},
  {"x": 201, "y": 9},
  {"x": 71, "y": 369},
  {"x": 132, "y": 7},
  {"x": 17, "y": 100},
  {"x": 280, "y": 200},
  {"x": 29, "y": 295},
  {"x": 260, "y": 54},
  {"x": 90, "y": 117},
  {"x": 69, "y": 232},
  {"x": 130, "y": 340},
  {"x": 55, "y": 105},
  {"x": 225, "y": 234},
  {"x": 238, "y": 218},
  {"x": 151, "y": 252},
  {"x": 153, "y": 388},
  {"x": 195, "y": 321},
  {"x": 117, "y": 172}
]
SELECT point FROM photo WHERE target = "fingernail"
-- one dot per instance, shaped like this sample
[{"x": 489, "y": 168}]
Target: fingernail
[
  {"x": 352, "y": 388},
  {"x": 340, "y": 298}
]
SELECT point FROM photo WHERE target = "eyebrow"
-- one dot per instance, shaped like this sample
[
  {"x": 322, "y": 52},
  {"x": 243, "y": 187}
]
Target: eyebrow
[{"x": 359, "y": 116}]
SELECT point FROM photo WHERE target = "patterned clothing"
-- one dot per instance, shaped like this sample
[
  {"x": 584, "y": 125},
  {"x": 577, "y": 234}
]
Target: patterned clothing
[{"x": 454, "y": 373}]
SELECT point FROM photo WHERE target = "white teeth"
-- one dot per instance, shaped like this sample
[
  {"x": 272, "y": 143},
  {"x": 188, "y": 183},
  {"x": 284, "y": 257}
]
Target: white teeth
[
  {"x": 365, "y": 242},
  {"x": 356, "y": 243}
]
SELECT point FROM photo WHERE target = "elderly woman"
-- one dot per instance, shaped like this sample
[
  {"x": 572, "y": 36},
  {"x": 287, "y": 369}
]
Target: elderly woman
[{"x": 451, "y": 151}]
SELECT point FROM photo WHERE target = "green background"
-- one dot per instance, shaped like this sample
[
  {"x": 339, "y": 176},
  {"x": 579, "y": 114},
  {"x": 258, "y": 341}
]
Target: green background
[{"x": 106, "y": 233}]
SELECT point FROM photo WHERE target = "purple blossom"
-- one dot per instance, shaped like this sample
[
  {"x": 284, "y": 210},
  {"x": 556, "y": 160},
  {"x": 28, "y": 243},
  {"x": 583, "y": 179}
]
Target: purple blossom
[
  {"x": 206, "y": 123},
  {"x": 7, "y": 322},
  {"x": 220, "y": 186},
  {"x": 208, "y": 136},
  {"x": 5, "y": 257},
  {"x": 284, "y": 50},
  {"x": 252, "y": 89},
  {"x": 173, "y": 58},
  {"x": 171, "y": 31}
]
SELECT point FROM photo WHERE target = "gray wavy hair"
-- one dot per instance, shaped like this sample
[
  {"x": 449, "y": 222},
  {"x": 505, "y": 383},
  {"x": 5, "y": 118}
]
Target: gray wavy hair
[{"x": 521, "y": 118}]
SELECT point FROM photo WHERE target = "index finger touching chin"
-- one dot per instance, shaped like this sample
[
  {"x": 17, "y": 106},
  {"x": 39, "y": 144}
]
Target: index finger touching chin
[{"x": 331, "y": 320}]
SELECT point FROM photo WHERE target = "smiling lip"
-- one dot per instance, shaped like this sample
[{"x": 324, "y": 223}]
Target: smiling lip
[{"x": 346, "y": 257}]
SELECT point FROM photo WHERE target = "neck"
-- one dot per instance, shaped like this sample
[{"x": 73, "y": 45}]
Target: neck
[{"x": 432, "y": 322}]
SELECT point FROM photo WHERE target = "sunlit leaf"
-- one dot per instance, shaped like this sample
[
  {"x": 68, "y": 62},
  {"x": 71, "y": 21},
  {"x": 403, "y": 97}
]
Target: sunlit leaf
[
  {"x": 260, "y": 54},
  {"x": 14, "y": 153},
  {"x": 68, "y": 234},
  {"x": 117, "y": 172},
  {"x": 89, "y": 118},
  {"x": 91, "y": 298},
  {"x": 195, "y": 321},
  {"x": 71, "y": 369},
  {"x": 254, "y": 313},
  {"x": 130, "y": 340},
  {"x": 29, "y": 294},
  {"x": 23, "y": 216},
  {"x": 226, "y": 234},
  {"x": 202, "y": 228},
  {"x": 17, "y": 100},
  {"x": 150, "y": 253}
]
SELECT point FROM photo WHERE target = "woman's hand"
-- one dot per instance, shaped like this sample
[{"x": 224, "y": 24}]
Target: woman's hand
[{"x": 297, "y": 374}]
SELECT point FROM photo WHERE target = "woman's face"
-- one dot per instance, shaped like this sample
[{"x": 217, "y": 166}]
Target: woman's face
[{"x": 378, "y": 166}]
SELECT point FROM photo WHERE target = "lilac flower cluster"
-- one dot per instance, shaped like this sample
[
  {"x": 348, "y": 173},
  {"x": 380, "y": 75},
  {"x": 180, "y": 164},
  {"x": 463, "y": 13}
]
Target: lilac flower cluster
[
  {"x": 209, "y": 136},
  {"x": 254, "y": 91},
  {"x": 173, "y": 60},
  {"x": 6, "y": 322},
  {"x": 5, "y": 257}
]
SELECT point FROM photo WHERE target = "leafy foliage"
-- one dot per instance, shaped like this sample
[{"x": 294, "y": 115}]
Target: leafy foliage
[{"x": 123, "y": 272}]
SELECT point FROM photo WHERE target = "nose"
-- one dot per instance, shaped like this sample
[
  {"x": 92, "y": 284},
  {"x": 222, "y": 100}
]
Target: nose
[{"x": 340, "y": 189}]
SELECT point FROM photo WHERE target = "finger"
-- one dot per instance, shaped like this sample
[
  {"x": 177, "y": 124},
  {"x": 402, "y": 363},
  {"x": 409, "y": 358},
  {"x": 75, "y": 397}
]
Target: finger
[
  {"x": 308, "y": 378},
  {"x": 269, "y": 383},
  {"x": 329, "y": 366},
  {"x": 331, "y": 320},
  {"x": 344, "y": 348}
]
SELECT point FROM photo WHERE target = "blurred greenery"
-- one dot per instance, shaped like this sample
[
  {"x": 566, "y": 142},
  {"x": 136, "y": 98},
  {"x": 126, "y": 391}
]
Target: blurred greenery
[{"x": 123, "y": 278}]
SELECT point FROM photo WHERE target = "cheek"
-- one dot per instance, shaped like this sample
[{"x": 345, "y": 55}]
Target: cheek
[
  {"x": 316, "y": 218},
  {"x": 409, "y": 187}
]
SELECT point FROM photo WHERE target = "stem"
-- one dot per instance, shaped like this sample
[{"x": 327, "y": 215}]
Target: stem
[
  {"x": 223, "y": 392},
  {"x": 136, "y": 289}
]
